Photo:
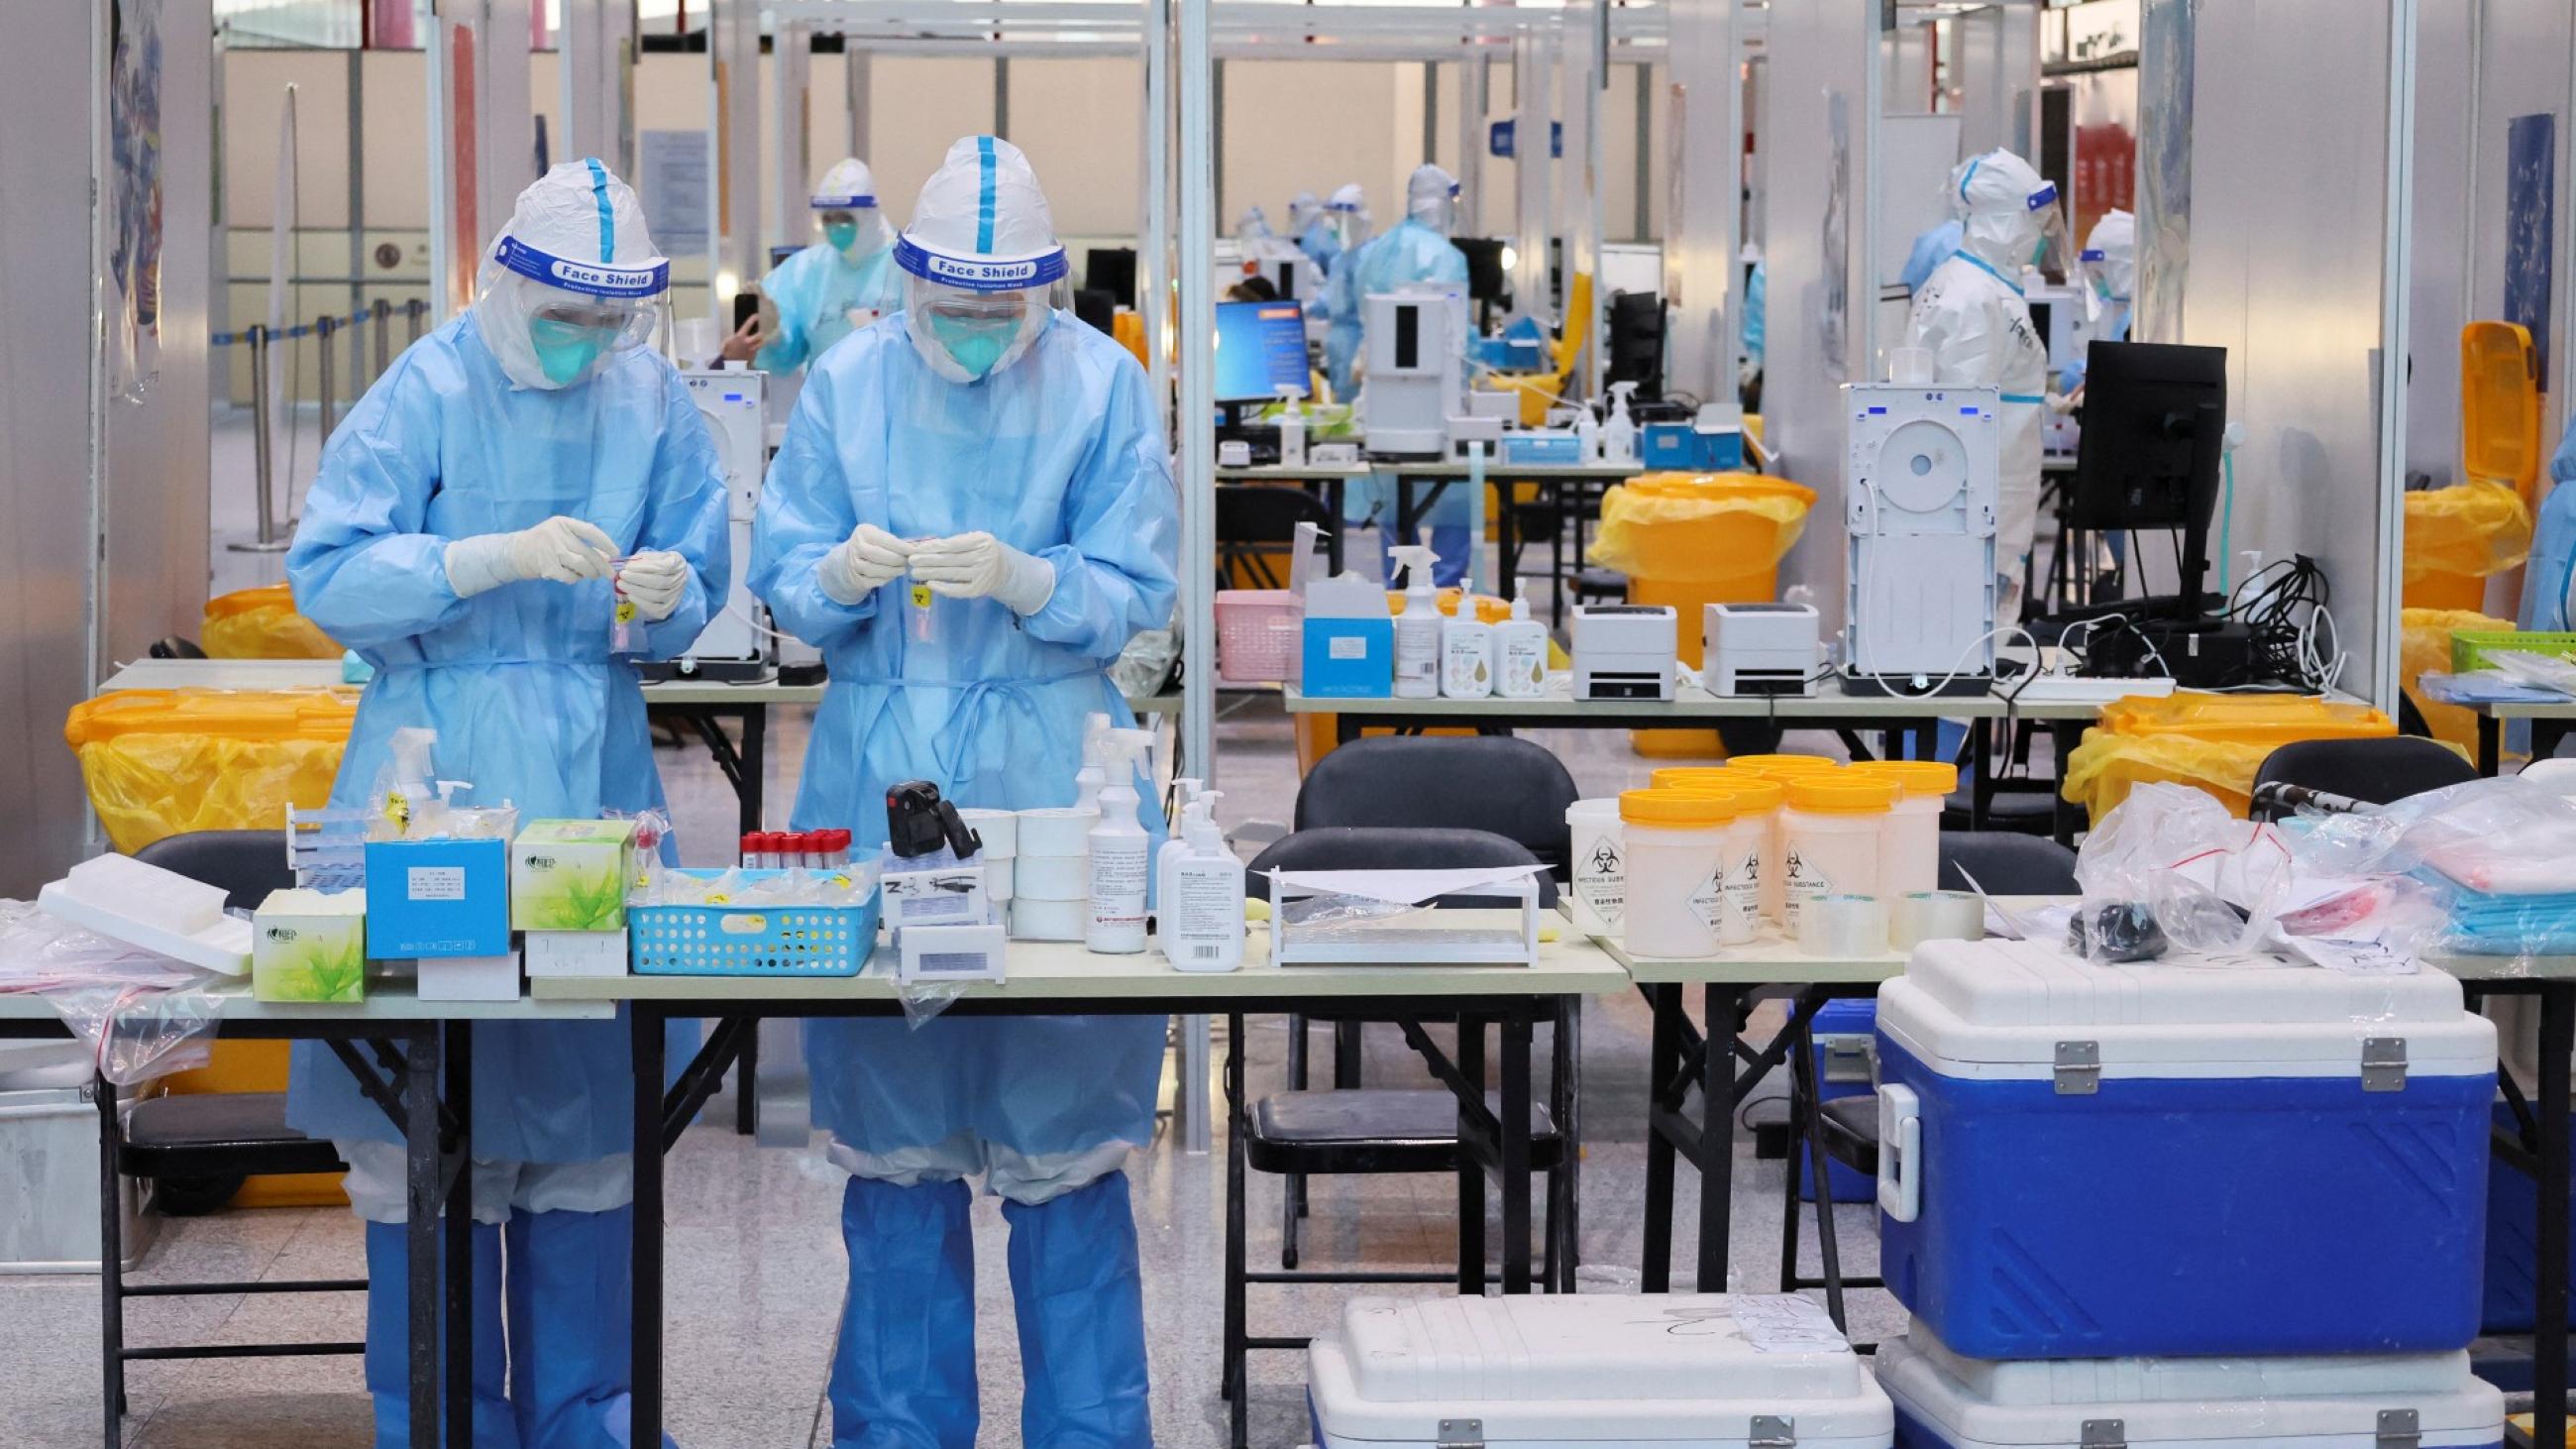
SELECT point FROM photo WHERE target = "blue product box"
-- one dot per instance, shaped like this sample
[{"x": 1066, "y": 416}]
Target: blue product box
[
  {"x": 1844, "y": 1047},
  {"x": 1348, "y": 658},
  {"x": 1687, "y": 448},
  {"x": 2151, "y": 1160},
  {"x": 1541, "y": 450},
  {"x": 437, "y": 898}
]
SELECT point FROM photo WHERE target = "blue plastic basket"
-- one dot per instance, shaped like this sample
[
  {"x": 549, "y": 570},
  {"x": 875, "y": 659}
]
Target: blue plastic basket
[{"x": 752, "y": 940}]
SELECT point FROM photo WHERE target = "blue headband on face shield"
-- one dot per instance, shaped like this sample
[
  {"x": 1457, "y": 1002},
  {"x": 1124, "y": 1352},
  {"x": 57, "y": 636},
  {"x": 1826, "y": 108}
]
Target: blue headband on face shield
[
  {"x": 978, "y": 274},
  {"x": 595, "y": 279},
  {"x": 843, "y": 203}
]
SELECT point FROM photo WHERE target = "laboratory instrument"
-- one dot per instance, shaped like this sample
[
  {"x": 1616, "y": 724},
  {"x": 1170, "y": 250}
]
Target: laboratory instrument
[
  {"x": 1625, "y": 651},
  {"x": 1761, "y": 649},
  {"x": 1921, "y": 498},
  {"x": 1416, "y": 344}
]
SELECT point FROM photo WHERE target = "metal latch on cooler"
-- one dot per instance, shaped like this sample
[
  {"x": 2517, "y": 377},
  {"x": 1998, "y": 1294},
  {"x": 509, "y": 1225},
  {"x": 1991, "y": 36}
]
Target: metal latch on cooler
[
  {"x": 2079, "y": 1069},
  {"x": 2400, "y": 1429},
  {"x": 2383, "y": 1064},
  {"x": 1462, "y": 1434},
  {"x": 1774, "y": 1431},
  {"x": 2106, "y": 1433}
]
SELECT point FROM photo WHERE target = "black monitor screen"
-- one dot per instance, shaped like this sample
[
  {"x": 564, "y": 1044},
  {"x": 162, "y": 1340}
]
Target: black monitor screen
[
  {"x": 1111, "y": 270},
  {"x": 2148, "y": 457},
  {"x": 1486, "y": 279}
]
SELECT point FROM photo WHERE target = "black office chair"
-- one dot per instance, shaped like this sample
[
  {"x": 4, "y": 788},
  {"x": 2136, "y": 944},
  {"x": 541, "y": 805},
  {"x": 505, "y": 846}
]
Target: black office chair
[
  {"x": 2374, "y": 771},
  {"x": 1845, "y": 1130},
  {"x": 197, "y": 1149},
  {"x": 175, "y": 647},
  {"x": 1355, "y": 1131},
  {"x": 1256, "y": 526}
]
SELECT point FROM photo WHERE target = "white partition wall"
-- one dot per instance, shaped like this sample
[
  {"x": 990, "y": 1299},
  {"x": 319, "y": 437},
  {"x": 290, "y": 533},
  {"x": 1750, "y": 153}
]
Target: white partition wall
[
  {"x": 2298, "y": 198},
  {"x": 1820, "y": 104},
  {"x": 1704, "y": 163}
]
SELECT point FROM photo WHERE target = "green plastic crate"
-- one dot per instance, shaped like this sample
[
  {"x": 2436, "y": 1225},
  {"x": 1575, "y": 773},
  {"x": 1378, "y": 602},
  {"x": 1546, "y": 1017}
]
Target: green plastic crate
[{"x": 2469, "y": 646}]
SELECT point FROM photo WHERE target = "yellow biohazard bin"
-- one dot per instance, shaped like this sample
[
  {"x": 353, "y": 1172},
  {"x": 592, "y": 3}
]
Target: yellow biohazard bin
[
  {"x": 262, "y": 623},
  {"x": 2425, "y": 648},
  {"x": 2214, "y": 741},
  {"x": 162, "y": 762}
]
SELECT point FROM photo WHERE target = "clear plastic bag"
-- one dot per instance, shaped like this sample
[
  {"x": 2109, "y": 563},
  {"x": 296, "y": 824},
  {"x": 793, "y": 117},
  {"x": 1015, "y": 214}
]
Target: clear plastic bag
[{"x": 143, "y": 1015}]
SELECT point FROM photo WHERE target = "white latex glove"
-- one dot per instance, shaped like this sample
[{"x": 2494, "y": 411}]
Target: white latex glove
[
  {"x": 869, "y": 559},
  {"x": 978, "y": 565},
  {"x": 560, "y": 550},
  {"x": 654, "y": 580}
]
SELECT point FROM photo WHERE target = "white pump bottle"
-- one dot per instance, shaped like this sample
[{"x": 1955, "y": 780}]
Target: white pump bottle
[
  {"x": 1121, "y": 851},
  {"x": 1207, "y": 900}
]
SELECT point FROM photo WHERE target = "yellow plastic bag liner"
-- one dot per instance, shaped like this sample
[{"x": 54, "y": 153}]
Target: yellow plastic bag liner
[
  {"x": 161, "y": 762},
  {"x": 2214, "y": 741},
  {"x": 2425, "y": 647},
  {"x": 2500, "y": 406},
  {"x": 262, "y": 623},
  {"x": 2472, "y": 529}
]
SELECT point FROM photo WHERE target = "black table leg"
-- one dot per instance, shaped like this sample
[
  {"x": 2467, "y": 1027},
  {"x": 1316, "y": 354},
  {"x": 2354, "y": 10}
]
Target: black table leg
[
  {"x": 1722, "y": 1006},
  {"x": 1515, "y": 1145},
  {"x": 755, "y": 753},
  {"x": 1663, "y": 1059},
  {"x": 2064, "y": 737},
  {"x": 1471, "y": 1173},
  {"x": 1334, "y": 548},
  {"x": 1981, "y": 783},
  {"x": 2549, "y": 1287},
  {"x": 645, "y": 1034},
  {"x": 2490, "y": 746},
  {"x": 454, "y": 1149},
  {"x": 746, "y": 1088},
  {"x": 111, "y": 1253},
  {"x": 420, "y": 1205},
  {"x": 1507, "y": 547},
  {"x": 1237, "y": 1379}
]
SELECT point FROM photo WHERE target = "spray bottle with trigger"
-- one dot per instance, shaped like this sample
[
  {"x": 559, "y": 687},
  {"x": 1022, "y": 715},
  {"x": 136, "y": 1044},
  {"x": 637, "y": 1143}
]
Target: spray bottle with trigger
[
  {"x": 1121, "y": 851},
  {"x": 1619, "y": 435},
  {"x": 1417, "y": 629},
  {"x": 1088, "y": 780}
]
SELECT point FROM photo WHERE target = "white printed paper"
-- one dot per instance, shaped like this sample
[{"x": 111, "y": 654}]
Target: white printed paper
[
  {"x": 1785, "y": 1323},
  {"x": 437, "y": 882},
  {"x": 2372, "y": 955}
]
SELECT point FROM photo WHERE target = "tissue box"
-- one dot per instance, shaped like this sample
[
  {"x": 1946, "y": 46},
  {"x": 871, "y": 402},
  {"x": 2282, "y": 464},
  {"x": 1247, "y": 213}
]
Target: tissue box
[
  {"x": 437, "y": 898},
  {"x": 571, "y": 875},
  {"x": 470, "y": 978},
  {"x": 1348, "y": 649},
  {"x": 307, "y": 946},
  {"x": 562, "y": 954}
]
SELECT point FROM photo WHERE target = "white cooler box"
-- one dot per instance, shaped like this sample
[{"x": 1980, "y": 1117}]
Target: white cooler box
[
  {"x": 2387, "y": 1401},
  {"x": 1591, "y": 1372},
  {"x": 2085, "y": 1161}
]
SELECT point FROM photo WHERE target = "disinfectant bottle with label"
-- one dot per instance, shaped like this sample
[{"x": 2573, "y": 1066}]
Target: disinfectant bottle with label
[
  {"x": 1088, "y": 780},
  {"x": 1184, "y": 790},
  {"x": 1206, "y": 904},
  {"x": 1587, "y": 435},
  {"x": 1466, "y": 654},
  {"x": 1619, "y": 435},
  {"x": 1292, "y": 428},
  {"x": 1417, "y": 629},
  {"x": 1122, "y": 862},
  {"x": 1520, "y": 655}
]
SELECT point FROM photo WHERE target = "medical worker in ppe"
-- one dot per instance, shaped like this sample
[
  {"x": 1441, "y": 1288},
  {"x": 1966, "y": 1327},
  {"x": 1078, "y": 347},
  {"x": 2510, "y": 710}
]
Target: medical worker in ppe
[
  {"x": 1971, "y": 316},
  {"x": 2107, "y": 269},
  {"x": 839, "y": 284},
  {"x": 1345, "y": 226},
  {"x": 476, "y": 519},
  {"x": 970, "y": 517},
  {"x": 2550, "y": 577},
  {"x": 1305, "y": 209},
  {"x": 1930, "y": 250},
  {"x": 1268, "y": 254}
]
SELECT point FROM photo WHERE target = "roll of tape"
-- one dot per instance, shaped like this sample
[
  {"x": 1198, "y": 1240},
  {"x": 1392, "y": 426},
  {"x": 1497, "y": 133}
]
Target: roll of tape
[
  {"x": 1060, "y": 831},
  {"x": 1051, "y": 878},
  {"x": 1921, "y": 916},
  {"x": 1843, "y": 927},
  {"x": 999, "y": 830}
]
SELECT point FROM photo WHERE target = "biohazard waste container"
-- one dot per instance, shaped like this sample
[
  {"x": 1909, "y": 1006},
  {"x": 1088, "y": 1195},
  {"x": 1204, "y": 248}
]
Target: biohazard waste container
[
  {"x": 2215, "y": 742},
  {"x": 161, "y": 762},
  {"x": 1694, "y": 539},
  {"x": 262, "y": 623}
]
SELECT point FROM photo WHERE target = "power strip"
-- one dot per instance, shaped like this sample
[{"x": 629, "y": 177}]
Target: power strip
[{"x": 2080, "y": 689}]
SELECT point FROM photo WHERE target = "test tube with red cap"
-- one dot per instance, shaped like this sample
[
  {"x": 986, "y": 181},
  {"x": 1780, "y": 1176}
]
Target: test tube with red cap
[{"x": 750, "y": 849}]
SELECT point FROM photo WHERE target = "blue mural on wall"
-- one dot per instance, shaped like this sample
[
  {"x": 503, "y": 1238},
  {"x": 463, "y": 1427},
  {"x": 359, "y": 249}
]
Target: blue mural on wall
[{"x": 2530, "y": 219}]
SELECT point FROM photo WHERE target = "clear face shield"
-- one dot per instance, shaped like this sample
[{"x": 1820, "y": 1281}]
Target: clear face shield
[
  {"x": 965, "y": 334},
  {"x": 2053, "y": 245}
]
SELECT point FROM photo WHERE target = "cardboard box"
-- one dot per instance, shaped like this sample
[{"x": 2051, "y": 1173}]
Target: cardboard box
[
  {"x": 470, "y": 978},
  {"x": 1349, "y": 644},
  {"x": 307, "y": 946},
  {"x": 428, "y": 898},
  {"x": 571, "y": 875},
  {"x": 562, "y": 954}
]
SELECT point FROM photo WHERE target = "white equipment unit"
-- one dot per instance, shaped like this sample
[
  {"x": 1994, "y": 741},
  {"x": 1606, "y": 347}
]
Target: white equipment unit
[
  {"x": 2059, "y": 312},
  {"x": 1602, "y": 1371},
  {"x": 1919, "y": 503},
  {"x": 1625, "y": 651},
  {"x": 1415, "y": 352},
  {"x": 2359, "y": 1401},
  {"x": 1761, "y": 649},
  {"x": 732, "y": 401}
]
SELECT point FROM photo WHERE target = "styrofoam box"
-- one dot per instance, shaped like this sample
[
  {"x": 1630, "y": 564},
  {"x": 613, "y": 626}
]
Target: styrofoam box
[
  {"x": 1590, "y": 1372},
  {"x": 1945, "y": 1401},
  {"x": 2084, "y": 1161},
  {"x": 470, "y": 978}
]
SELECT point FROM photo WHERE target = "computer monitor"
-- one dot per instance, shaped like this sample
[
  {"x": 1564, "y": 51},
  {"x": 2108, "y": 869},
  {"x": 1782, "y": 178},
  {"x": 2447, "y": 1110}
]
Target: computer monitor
[
  {"x": 1099, "y": 309},
  {"x": 1260, "y": 348},
  {"x": 2154, "y": 416},
  {"x": 1486, "y": 279},
  {"x": 1636, "y": 342},
  {"x": 1111, "y": 270}
]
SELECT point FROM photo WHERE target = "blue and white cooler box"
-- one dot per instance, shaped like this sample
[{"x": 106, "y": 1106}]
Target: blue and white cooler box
[
  {"x": 2364, "y": 1401},
  {"x": 1591, "y": 1372},
  {"x": 2085, "y": 1161},
  {"x": 1844, "y": 1045}
]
